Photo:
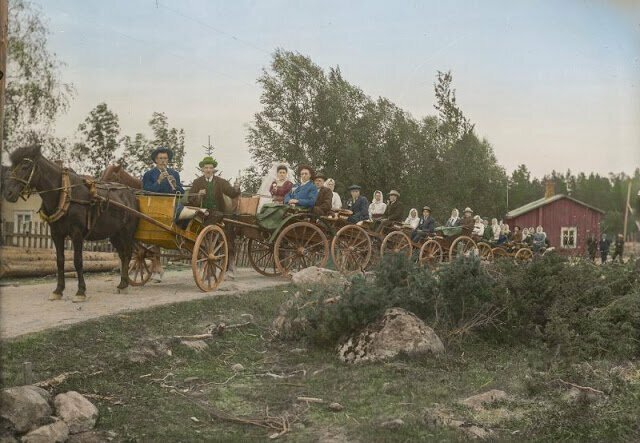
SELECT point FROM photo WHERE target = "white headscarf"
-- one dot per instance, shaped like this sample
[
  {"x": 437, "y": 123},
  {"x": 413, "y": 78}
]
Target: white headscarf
[
  {"x": 411, "y": 220},
  {"x": 377, "y": 207}
]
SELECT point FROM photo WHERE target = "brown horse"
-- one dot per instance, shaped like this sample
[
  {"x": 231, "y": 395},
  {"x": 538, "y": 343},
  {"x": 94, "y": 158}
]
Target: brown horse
[{"x": 74, "y": 208}]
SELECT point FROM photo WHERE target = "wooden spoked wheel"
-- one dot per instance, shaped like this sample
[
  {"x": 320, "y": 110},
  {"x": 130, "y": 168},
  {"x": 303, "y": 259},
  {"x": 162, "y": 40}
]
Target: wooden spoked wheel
[
  {"x": 260, "y": 254},
  {"x": 351, "y": 249},
  {"x": 430, "y": 253},
  {"x": 484, "y": 251},
  {"x": 209, "y": 258},
  {"x": 524, "y": 254},
  {"x": 396, "y": 242},
  {"x": 499, "y": 253},
  {"x": 462, "y": 246},
  {"x": 140, "y": 264},
  {"x": 300, "y": 245}
]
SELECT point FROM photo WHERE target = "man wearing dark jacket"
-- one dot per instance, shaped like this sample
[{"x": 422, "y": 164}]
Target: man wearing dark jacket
[
  {"x": 358, "y": 205},
  {"x": 605, "y": 244},
  {"x": 618, "y": 248},
  {"x": 426, "y": 225},
  {"x": 322, "y": 207},
  {"x": 393, "y": 214}
]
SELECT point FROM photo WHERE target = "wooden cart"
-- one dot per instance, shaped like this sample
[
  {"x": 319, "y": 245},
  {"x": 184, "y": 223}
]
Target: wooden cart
[
  {"x": 206, "y": 246},
  {"x": 515, "y": 250}
]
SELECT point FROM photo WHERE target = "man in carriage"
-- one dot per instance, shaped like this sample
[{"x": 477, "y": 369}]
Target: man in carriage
[
  {"x": 323, "y": 203},
  {"x": 358, "y": 205},
  {"x": 426, "y": 225},
  {"x": 392, "y": 214},
  {"x": 209, "y": 190},
  {"x": 162, "y": 179}
]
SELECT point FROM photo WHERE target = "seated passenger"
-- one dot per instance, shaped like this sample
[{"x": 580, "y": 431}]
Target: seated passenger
[
  {"x": 539, "y": 239},
  {"x": 478, "y": 227},
  {"x": 426, "y": 225},
  {"x": 393, "y": 213},
  {"x": 412, "y": 220},
  {"x": 208, "y": 191},
  {"x": 467, "y": 222},
  {"x": 336, "y": 201},
  {"x": 505, "y": 234},
  {"x": 454, "y": 220},
  {"x": 358, "y": 205},
  {"x": 377, "y": 206},
  {"x": 517, "y": 234},
  {"x": 303, "y": 195},
  {"x": 322, "y": 206},
  {"x": 281, "y": 186},
  {"x": 495, "y": 230},
  {"x": 488, "y": 233}
]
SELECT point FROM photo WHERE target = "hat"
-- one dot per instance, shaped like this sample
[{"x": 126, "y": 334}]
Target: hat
[
  {"x": 394, "y": 192},
  {"x": 468, "y": 209},
  {"x": 426, "y": 208},
  {"x": 208, "y": 161},
  {"x": 354, "y": 188},
  {"x": 320, "y": 175},
  {"x": 161, "y": 150}
]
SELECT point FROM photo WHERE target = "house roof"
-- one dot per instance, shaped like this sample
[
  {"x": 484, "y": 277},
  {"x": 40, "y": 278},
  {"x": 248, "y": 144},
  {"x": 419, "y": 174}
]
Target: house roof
[{"x": 545, "y": 201}]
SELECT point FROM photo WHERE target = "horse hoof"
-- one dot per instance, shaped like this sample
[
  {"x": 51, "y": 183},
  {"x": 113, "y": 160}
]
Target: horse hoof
[
  {"x": 53, "y": 296},
  {"x": 79, "y": 298}
]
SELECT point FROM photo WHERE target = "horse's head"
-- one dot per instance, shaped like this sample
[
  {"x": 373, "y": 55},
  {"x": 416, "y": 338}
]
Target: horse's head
[{"x": 18, "y": 180}]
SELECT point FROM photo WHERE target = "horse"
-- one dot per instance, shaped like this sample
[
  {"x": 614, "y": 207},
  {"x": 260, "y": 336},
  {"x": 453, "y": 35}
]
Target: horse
[{"x": 74, "y": 207}]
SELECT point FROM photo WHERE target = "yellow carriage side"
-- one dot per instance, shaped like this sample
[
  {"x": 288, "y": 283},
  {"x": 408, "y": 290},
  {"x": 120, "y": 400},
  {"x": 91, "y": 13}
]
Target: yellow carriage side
[{"x": 161, "y": 208}]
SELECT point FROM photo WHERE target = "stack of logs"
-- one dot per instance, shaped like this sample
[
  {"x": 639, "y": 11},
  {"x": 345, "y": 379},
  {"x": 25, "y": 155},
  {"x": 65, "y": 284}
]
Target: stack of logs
[{"x": 32, "y": 262}]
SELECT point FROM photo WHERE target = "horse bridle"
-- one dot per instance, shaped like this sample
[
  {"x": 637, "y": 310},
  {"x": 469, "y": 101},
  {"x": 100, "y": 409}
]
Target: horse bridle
[{"x": 26, "y": 190}]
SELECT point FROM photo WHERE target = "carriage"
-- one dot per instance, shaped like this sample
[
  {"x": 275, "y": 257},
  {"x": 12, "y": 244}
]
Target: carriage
[{"x": 206, "y": 246}]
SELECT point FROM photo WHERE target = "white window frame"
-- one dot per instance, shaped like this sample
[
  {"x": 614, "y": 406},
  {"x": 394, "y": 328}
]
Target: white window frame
[
  {"x": 17, "y": 226},
  {"x": 575, "y": 237}
]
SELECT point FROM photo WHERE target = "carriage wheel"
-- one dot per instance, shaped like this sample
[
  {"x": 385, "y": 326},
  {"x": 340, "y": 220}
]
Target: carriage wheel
[
  {"x": 396, "y": 242},
  {"x": 300, "y": 245},
  {"x": 140, "y": 264},
  {"x": 430, "y": 253},
  {"x": 261, "y": 258},
  {"x": 524, "y": 254},
  {"x": 209, "y": 258},
  {"x": 351, "y": 249},
  {"x": 499, "y": 253},
  {"x": 484, "y": 251},
  {"x": 462, "y": 246}
]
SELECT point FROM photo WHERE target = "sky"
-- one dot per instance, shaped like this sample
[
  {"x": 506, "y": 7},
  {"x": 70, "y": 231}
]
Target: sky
[{"x": 553, "y": 85}]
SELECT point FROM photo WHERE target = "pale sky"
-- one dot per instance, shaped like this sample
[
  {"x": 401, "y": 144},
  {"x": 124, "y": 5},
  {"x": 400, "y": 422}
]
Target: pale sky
[{"x": 551, "y": 84}]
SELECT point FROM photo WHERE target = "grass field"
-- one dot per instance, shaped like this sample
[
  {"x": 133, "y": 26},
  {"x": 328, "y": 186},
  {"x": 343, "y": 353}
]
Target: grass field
[{"x": 150, "y": 387}]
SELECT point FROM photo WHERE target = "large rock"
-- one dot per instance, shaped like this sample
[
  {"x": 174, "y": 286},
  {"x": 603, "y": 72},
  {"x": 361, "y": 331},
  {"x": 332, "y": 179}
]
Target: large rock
[
  {"x": 57, "y": 432},
  {"x": 398, "y": 331},
  {"x": 78, "y": 412},
  {"x": 25, "y": 407},
  {"x": 314, "y": 276}
]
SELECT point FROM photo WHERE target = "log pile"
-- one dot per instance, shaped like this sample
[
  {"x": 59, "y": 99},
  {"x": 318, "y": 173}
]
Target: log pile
[{"x": 32, "y": 262}]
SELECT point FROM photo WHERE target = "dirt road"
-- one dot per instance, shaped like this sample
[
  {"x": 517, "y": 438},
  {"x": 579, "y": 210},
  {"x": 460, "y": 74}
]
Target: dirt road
[{"x": 25, "y": 309}]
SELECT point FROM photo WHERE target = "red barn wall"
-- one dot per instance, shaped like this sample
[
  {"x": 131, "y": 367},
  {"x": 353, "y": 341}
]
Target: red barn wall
[{"x": 562, "y": 213}]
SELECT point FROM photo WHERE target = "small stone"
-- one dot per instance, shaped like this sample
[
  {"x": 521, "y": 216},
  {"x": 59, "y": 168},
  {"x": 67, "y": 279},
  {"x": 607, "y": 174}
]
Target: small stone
[
  {"x": 237, "y": 367},
  {"x": 478, "y": 402},
  {"x": 78, "y": 412},
  {"x": 335, "y": 407},
  {"x": 393, "y": 424},
  {"x": 57, "y": 432}
]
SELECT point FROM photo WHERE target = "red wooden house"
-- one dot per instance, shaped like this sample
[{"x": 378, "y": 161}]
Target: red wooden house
[{"x": 568, "y": 222}]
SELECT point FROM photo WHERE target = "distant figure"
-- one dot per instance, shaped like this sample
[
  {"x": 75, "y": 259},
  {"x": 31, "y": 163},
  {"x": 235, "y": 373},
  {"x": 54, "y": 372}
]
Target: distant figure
[
  {"x": 478, "y": 227},
  {"x": 618, "y": 248},
  {"x": 592, "y": 247},
  {"x": 605, "y": 244},
  {"x": 322, "y": 206},
  {"x": 358, "y": 205},
  {"x": 377, "y": 206},
  {"x": 336, "y": 201},
  {"x": 495, "y": 229},
  {"x": 454, "y": 220},
  {"x": 517, "y": 234},
  {"x": 412, "y": 220},
  {"x": 539, "y": 239},
  {"x": 426, "y": 225}
]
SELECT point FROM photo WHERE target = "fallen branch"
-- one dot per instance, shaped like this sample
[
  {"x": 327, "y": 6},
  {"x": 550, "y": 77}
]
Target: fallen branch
[
  {"x": 581, "y": 388},
  {"x": 55, "y": 381},
  {"x": 310, "y": 399},
  {"x": 212, "y": 330}
]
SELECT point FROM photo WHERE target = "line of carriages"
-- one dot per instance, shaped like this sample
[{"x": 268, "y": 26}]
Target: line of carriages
[{"x": 299, "y": 241}]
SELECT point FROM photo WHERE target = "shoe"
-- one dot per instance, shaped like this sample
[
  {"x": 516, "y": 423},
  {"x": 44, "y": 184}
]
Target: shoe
[{"x": 156, "y": 277}]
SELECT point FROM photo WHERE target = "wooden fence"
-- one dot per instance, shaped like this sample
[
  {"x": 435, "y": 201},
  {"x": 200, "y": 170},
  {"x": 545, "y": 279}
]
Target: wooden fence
[{"x": 38, "y": 235}]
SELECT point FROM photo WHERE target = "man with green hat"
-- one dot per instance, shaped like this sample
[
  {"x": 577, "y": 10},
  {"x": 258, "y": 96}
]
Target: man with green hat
[{"x": 209, "y": 190}]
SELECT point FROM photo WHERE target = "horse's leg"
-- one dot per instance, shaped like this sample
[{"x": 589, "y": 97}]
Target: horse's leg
[
  {"x": 58, "y": 241},
  {"x": 124, "y": 252},
  {"x": 78, "y": 240}
]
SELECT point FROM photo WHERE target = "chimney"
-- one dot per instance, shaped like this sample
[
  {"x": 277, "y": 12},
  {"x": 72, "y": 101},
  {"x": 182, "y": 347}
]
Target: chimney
[{"x": 549, "y": 189}]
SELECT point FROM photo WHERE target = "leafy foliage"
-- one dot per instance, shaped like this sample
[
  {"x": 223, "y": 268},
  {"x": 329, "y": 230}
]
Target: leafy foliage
[
  {"x": 100, "y": 132},
  {"x": 35, "y": 94}
]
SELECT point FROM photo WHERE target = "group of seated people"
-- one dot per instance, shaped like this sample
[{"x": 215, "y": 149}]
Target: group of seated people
[{"x": 316, "y": 193}]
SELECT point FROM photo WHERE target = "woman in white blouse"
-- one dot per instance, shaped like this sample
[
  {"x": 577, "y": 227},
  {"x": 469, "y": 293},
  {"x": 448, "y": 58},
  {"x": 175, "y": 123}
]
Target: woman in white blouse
[{"x": 336, "y": 201}]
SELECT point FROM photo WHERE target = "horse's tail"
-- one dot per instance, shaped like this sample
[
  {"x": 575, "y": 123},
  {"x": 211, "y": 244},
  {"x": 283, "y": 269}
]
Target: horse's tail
[{"x": 116, "y": 174}]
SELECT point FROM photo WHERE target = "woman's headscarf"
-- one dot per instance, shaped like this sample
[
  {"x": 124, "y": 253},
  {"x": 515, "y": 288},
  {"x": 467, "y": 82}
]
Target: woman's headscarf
[{"x": 411, "y": 220}]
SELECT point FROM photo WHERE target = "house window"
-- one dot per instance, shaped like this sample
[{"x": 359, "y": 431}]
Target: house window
[
  {"x": 22, "y": 220},
  {"x": 569, "y": 237}
]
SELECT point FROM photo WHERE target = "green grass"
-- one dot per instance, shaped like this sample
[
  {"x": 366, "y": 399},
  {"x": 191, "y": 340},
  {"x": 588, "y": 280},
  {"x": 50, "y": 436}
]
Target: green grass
[{"x": 122, "y": 358}]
